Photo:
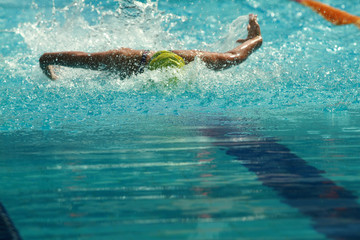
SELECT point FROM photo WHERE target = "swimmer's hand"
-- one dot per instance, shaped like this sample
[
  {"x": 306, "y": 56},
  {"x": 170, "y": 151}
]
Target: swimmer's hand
[
  {"x": 48, "y": 70},
  {"x": 253, "y": 29},
  {"x": 50, "y": 73},
  {"x": 47, "y": 67}
]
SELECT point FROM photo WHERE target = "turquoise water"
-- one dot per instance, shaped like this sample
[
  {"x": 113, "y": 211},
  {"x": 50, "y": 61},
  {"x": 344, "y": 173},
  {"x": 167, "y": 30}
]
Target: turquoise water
[{"x": 265, "y": 150}]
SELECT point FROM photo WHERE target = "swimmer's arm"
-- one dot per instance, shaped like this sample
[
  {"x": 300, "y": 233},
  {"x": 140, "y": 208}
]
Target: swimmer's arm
[
  {"x": 68, "y": 59},
  {"x": 124, "y": 58},
  {"x": 221, "y": 61}
]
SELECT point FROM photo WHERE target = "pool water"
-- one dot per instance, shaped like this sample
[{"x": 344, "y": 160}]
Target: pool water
[{"x": 268, "y": 149}]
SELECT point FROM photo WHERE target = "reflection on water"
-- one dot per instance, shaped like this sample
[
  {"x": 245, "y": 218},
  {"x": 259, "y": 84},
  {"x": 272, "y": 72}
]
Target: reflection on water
[{"x": 213, "y": 179}]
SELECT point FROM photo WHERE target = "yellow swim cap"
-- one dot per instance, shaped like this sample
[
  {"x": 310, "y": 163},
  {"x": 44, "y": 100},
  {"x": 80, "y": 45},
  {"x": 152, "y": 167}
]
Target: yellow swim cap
[{"x": 164, "y": 59}]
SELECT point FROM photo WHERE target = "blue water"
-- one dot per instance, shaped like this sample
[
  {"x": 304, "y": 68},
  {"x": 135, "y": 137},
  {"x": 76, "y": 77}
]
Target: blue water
[{"x": 268, "y": 149}]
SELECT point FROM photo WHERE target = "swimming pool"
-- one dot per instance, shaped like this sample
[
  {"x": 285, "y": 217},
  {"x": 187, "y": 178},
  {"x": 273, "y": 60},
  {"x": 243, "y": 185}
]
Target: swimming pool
[{"x": 265, "y": 150}]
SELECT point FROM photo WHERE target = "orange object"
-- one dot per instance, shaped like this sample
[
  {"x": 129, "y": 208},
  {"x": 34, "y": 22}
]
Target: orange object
[{"x": 333, "y": 15}]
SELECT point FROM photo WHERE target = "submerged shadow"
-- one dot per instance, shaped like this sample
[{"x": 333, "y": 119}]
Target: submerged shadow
[
  {"x": 7, "y": 228},
  {"x": 334, "y": 210}
]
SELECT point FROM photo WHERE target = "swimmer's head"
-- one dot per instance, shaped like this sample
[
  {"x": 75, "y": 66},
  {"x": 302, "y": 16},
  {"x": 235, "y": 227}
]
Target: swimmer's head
[{"x": 166, "y": 59}]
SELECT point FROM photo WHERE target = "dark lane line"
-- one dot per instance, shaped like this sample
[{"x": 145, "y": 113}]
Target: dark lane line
[{"x": 333, "y": 209}]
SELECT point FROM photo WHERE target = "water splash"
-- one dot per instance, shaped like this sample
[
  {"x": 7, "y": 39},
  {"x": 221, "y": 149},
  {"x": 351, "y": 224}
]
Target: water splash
[{"x": 288, "y": 72}]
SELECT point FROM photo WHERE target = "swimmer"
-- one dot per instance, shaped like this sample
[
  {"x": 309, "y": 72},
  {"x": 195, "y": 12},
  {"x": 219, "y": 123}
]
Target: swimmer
[{"x": 127, "y": 61}]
